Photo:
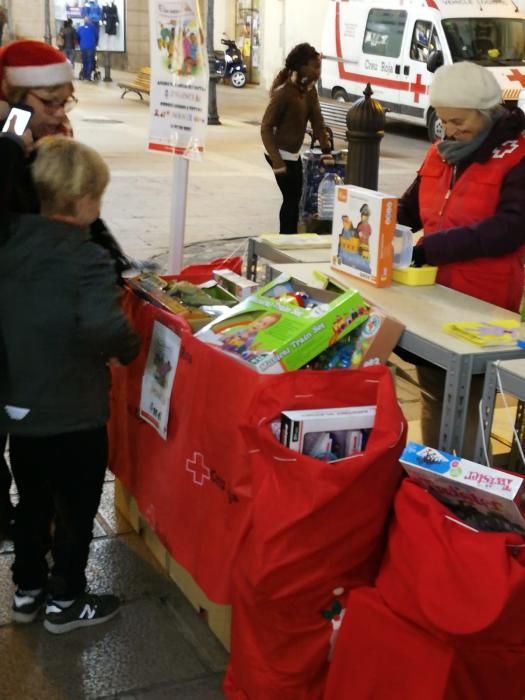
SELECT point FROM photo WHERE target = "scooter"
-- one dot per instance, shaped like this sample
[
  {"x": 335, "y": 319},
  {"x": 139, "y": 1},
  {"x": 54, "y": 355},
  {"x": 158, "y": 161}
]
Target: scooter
[{"x": 228, "y": 64}]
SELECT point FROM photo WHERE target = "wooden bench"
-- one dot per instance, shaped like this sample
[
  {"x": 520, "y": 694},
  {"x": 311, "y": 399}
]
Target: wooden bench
[
  {"x": 334, "y": 114},
  {"x": 139, "y": 84}
]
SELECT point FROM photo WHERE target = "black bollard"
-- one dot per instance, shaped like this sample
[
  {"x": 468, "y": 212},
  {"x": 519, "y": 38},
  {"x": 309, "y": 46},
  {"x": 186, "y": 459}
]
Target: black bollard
[
  {"x": 366, "y": 127},
  {"x": 107, "y": 67},
  {"x": 213, "y": 114}
]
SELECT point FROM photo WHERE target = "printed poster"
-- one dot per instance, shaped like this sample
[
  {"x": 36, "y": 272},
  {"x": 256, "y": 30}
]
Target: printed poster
[
  {"x": 179, "y": 78},
  {"x": 157, "y": 380}
]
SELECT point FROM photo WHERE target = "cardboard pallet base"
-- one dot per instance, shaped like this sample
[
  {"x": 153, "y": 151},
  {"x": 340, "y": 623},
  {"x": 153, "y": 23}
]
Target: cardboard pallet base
[{"x": 218, "y": 617}]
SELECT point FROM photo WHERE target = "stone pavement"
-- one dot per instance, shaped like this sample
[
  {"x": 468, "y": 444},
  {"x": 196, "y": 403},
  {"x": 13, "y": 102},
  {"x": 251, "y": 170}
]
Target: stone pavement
[{"x": 158, "y": 647}]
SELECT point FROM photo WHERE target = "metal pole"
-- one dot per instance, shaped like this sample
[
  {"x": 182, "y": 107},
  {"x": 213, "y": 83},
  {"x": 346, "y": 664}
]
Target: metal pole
[
  {"x": 213, "y": 114},
  {"x": 47, "y": 22},
  {"x": 179, "y": 196}
]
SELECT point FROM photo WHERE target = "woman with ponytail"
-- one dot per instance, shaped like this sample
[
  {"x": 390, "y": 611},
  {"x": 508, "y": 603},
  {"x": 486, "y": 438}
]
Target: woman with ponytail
[{"x": 293, "y": 103}]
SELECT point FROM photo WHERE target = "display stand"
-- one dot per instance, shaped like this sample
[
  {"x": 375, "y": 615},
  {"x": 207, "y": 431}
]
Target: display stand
[{"x": 508, "y": 376}]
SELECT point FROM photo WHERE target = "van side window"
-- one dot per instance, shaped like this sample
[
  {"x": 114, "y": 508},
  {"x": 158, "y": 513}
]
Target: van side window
[
  {"x": 384, "y": 32},
  {"x": 424, "y": 40}
]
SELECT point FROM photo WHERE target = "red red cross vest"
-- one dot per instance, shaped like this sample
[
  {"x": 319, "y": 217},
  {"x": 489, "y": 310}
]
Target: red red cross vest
[{"x": 474, "y": 197}]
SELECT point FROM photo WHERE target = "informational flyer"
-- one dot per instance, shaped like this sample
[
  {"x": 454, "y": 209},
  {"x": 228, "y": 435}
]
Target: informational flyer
[
  {"x": 159, "y": 374},
  {"x": 179, "y": 78},
  {"x": 108, "y": 17}
]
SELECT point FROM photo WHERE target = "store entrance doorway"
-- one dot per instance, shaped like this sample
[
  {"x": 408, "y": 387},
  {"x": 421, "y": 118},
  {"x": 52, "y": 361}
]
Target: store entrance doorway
[{"x": 247, "y": 33}]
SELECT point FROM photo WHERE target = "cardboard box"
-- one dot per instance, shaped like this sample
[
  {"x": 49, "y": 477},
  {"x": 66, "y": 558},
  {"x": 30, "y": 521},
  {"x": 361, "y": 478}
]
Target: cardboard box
[
  {"x": 363, "y": 232},
  {"x": 491, "y": 492},
  {"x": 369, "y": 344},
  {"x": 285, "y": 324},
  {"x": 375, "y": 338},
  {"x": 327, "y": 433},
  {"x": 235, "y": 284}
]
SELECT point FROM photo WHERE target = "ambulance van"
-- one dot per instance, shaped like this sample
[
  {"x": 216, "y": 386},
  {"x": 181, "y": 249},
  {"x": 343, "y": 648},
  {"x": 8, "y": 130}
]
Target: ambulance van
[{"x": 392, "y": 44}]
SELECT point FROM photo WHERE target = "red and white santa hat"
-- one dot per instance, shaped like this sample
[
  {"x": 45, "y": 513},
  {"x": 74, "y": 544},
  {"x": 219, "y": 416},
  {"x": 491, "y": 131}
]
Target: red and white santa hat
[{"x": 27, "y": 63}]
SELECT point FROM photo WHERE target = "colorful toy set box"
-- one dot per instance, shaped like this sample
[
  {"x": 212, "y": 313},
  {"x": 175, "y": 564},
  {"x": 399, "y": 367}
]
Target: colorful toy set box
[
  {"x": 496, "y": 495},
  {"x": 363, "y": 232},
  {"x": 285, "y": 324}
]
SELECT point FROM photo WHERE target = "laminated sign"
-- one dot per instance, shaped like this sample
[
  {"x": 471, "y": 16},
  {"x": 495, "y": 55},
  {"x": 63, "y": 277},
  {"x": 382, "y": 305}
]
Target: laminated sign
[
  {"x": 179, "y": 78},
  {"x": 157, "y": 381}
]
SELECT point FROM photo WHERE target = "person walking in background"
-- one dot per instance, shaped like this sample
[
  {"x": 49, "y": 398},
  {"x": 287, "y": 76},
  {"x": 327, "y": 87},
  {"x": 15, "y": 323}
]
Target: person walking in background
[
  {"x": 3, "y": 21},
  {"x": 293, "y": 103},
  {"x": 60, "y": 332},
  {"x": 87, "y": 36},
  {"x": 68, "y": 41},
  {"x": 468, "y": 199}
]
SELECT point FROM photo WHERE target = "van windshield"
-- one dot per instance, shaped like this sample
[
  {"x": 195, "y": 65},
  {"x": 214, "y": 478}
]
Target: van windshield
[{"x": 486, "y": 41}]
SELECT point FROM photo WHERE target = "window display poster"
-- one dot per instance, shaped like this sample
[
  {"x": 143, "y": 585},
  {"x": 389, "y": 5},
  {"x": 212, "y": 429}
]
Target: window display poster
[
  {"x": 108, "y": 17},
  {"x": 179, "y": 78},
  {"x": 158, "y": 377}
]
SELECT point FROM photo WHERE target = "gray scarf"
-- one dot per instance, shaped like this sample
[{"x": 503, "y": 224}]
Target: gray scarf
[{"x": 456, "y": 151}]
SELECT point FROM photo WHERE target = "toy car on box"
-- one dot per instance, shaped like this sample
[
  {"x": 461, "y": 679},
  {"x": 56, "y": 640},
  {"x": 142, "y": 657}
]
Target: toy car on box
[
  {"x": 285, "y": 324},
  {"x": 363, "y": 232}
]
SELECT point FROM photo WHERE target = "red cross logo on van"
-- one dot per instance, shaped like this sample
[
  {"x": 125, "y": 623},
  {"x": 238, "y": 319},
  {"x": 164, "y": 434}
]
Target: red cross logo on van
[
  {"x": 516, "y": 75},
  {"x": 418, "y": 88},
  {"x": 196, "y": 466}
]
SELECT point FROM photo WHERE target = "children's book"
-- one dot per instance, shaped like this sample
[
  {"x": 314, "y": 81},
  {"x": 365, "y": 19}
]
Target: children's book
[
  {"x": 298, "y": 240},
  {"x": 483, "y": 333}
]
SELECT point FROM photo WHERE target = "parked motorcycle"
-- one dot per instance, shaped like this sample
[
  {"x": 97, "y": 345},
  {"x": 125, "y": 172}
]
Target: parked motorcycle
[{"x": 228, "y": 64}]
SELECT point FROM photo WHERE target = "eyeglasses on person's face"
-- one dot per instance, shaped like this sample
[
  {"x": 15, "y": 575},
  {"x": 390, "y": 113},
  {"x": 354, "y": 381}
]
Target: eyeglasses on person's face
[{"x": 54, "y": 105}]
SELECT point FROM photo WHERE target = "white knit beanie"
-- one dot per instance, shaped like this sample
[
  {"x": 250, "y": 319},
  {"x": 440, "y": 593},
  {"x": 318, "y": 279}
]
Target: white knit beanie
[{"x": 464, "y": 85}]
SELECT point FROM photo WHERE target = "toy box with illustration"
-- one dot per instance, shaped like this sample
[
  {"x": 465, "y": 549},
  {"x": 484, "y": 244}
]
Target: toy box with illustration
[
  {"x": 235, "y": 284},
  {"x": 362, "y": 233},
  {"x": 497, "y": 495},
  {"x": 327, "y": 433},
  {"x": 369, "y": 344},
  {"x": 285, "y": 324}
]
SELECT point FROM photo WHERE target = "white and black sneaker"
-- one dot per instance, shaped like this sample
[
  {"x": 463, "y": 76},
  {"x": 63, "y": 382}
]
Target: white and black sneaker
[
  {"x": 27, "y": 605},
  {"x": 85, "y": 611}
]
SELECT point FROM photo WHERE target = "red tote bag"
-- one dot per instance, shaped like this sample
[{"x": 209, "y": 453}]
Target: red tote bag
[
  {"x": 462, "y": 586},
  {"x": 194, "y": 488},
  {"x": 317, "y": 530},
  {"x": 381, "y": 656}
]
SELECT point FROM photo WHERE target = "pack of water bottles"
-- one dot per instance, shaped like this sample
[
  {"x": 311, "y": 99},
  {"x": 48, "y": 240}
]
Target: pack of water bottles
[{"x": 320, "y": 177}]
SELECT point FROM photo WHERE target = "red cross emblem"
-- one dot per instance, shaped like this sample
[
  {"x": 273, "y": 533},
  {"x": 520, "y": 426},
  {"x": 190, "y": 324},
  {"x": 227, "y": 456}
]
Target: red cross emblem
[
  {"x": 196, "y": 466},
  {"x": 418, "y": 88},
  {"x": 505, "y": 148},
  {"x": 516, "y": 75}
]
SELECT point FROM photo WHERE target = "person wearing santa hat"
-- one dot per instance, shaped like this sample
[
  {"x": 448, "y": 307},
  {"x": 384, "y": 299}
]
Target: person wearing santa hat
[
  {"x": 468, "y": 201},
  {"x": 40, "y": 76}
]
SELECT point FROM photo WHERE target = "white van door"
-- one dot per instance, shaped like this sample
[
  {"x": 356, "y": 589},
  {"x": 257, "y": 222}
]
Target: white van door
[{"x": 421, "y": 37}]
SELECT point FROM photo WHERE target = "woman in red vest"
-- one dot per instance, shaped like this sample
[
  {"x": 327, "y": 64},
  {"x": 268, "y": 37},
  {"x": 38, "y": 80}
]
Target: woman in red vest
[{"x": 469, "y": 200}]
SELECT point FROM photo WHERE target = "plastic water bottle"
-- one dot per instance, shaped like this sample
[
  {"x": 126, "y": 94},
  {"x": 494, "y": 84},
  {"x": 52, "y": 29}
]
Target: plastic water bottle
[{"x": 326, "y": 195}]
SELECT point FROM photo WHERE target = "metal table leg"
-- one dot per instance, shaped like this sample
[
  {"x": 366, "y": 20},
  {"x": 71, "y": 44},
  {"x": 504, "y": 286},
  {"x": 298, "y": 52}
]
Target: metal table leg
[{"x": 455, "y": 403}]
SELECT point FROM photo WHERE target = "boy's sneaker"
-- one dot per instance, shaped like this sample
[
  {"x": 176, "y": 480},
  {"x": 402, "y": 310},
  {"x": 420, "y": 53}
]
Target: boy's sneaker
[
  {"x": 85, "y": 611},
  {"x": 26, "y": 606}
]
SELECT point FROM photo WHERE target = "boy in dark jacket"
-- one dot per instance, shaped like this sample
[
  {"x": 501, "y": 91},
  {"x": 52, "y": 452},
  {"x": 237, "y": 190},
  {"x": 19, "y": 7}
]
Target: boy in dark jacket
[{"x": 62, "y": 324}]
